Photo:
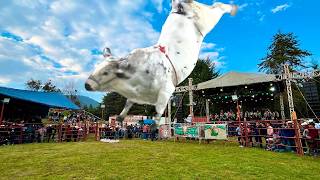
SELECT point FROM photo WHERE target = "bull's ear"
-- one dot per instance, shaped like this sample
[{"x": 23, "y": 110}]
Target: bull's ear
[{"x": 107, "y": 52}]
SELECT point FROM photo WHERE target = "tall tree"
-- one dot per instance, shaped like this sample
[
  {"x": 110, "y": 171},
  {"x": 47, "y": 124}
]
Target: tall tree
[
  {"x": 284, "y": 49},
  {"x": 36, "y": 85},
  {"x": 205, "y": 70},
  {"x": 33, "y": 85},
  {"x": 50, "y": 87},
  {"x": 71, "y": 92}
]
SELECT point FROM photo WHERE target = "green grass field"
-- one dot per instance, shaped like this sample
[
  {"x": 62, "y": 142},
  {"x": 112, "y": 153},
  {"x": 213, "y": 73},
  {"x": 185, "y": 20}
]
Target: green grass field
[{"x": 139, "y": 159}]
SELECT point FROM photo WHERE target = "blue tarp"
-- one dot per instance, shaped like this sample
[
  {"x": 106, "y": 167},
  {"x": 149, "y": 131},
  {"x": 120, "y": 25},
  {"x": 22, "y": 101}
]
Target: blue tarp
[
  {"x": 51, "y": 99},
  {"x": 149, "y": 121}
]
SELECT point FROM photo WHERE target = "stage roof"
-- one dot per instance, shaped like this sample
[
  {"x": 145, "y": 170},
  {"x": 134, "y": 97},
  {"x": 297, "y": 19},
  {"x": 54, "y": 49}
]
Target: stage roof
[
  {"x": 51, "y": 99},
  {"x": 237, "y": 79}
]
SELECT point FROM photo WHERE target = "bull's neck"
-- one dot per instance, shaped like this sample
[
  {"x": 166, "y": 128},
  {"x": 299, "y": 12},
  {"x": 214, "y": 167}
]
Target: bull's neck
[{"x": 182, "y": 40}]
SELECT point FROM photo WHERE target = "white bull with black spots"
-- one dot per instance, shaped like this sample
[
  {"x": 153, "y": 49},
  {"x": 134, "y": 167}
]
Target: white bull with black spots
[{"x": 150, "y": 75}]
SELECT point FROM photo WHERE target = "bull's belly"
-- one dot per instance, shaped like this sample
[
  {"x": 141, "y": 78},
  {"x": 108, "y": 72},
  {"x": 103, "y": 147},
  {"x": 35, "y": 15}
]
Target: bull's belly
[{"x": 141, "y": 92}]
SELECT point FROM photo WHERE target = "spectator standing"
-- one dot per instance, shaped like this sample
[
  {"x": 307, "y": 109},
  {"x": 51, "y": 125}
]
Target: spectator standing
[{"x": 312, "y": 138}]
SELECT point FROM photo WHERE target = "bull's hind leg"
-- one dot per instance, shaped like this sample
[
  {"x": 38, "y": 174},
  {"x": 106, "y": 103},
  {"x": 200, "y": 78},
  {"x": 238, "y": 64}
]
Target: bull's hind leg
[
  {"x": 163, "y": 98},
  {"x": 125, "y": 111},
  {"x": 227, "y": 8}
]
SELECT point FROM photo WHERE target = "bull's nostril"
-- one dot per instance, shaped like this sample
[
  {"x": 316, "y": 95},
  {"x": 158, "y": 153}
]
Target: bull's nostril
[{"x": 88, "y": 87}]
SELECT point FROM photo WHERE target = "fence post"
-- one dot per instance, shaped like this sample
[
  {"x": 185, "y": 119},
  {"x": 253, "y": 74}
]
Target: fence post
[
  {"x": 246, "y": 132},
  {"x": 21, "y": 135},
  {"x": 59, "y": 133},
  {"x": 297, "y": 133},
  {"x": 97, "y": 132}
]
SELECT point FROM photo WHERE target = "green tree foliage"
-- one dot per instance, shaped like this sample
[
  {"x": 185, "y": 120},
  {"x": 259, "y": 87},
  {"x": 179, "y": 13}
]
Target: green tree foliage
[
  {"x": 205, "y": 70},
  {"x": 93, "y": 110},
  {"x": 36, "y": 85},
  {"x": 284, "y": 49},
  {"x": 50, "y": 87},
  {"x": 115, "y": 103},
  {"x": 33, "y": 85}
]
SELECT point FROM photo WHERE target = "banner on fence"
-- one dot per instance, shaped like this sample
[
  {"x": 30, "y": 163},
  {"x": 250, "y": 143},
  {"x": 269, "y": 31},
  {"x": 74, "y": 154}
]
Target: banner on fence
[
  {"x": 164, "y": 131},
  {"x": 186, "y": 130},
  {"x": 215, "y": 131}
]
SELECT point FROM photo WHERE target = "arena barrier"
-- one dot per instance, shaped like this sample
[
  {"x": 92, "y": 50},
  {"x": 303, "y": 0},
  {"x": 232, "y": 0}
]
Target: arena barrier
[
  {"x": 40, "y": 133},
  {"x": 279, "y": 136}
]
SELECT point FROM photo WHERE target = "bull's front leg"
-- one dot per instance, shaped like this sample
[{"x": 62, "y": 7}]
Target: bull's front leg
[
  {"x": 125, "y": 111},
  {"x": 163, "y": 99}
]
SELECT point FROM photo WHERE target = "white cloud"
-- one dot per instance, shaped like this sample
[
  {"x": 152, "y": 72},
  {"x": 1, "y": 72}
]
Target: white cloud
[
  {"x": 212, "y": 51},
  {"x": 58, "y": 36},
  {"x": 4, "y": 81},
  {"x": 279, "y": 8},
  {"x": 158, "y": 4},
  {"x": 205, "y": 46},
  {"x": 243, "y": 6}
]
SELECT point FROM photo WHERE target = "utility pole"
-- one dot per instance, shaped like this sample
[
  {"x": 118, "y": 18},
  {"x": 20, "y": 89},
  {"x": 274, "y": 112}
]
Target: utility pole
[
  {"x": 288, "y": 77},
  {"x": 169, "y": 113},
  {"x": 283, "y": 116},
  {"x": 191, "y": 97},
  {"x": 208, "y": 109},
  {"x": 102, "y": 111}
]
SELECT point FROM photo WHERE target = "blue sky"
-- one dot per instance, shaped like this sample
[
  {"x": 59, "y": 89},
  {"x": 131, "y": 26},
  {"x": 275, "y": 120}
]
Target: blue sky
[{"x": 62, "y": 40}]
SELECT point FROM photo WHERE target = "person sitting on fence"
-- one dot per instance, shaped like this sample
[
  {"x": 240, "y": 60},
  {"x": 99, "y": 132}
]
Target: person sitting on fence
[
  {"x": 312, "y": 138},
  {"x": 269, "y": 138}
]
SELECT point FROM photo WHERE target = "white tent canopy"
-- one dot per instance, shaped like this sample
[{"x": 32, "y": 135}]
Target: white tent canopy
[{"x": 236, "y": 79}]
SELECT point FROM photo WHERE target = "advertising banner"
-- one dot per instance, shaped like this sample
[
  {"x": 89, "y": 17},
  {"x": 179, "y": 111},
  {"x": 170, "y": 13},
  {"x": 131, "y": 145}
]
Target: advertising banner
[
  {"x": 186, "y": 130},
  {"x": 216, "y": 131},
  {"x": 164, "y": 131}
]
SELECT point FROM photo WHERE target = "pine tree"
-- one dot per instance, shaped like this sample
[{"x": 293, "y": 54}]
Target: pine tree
[{"x": 284, "y": 49}]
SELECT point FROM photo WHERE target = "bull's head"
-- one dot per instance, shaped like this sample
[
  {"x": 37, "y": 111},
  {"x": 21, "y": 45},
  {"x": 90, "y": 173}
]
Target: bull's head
[{"x": 109, "y": 72}]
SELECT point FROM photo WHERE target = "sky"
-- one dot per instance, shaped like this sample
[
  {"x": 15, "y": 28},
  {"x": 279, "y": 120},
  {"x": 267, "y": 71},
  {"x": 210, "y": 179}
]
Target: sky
[{"x": 62, "y": 40}]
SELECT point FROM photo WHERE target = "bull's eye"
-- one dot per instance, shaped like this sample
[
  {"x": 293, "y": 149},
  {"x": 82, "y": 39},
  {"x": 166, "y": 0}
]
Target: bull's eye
[{"x": 105, "y": 73}]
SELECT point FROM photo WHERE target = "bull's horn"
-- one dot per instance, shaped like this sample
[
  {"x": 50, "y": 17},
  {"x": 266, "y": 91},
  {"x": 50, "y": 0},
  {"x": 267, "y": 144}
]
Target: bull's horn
[{"x": 188, "y": 1}]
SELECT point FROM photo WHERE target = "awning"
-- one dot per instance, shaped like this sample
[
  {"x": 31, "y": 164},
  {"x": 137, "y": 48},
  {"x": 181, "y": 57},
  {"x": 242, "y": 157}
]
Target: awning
[
  {"x": 237, "y": 79},
  {"x": 50, "y": 99}
]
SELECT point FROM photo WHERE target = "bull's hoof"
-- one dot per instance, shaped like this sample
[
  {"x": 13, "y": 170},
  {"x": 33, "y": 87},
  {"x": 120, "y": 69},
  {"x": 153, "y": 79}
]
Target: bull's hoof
[
  {"x": 234, "y": 10},
  {"x": 119, "y": 118}
]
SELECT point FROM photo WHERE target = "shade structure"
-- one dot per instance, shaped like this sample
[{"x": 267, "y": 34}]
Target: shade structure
[
  {"x": 49, "y": 99},
  {"x": 237, "y": 79}
]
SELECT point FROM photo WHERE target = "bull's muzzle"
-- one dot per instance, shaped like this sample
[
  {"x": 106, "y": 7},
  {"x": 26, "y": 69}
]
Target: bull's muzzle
[{"x": 91, "y": 85}]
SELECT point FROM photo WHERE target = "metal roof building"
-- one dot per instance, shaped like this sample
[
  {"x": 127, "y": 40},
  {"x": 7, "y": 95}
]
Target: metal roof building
[{"x": 26, "y": 105}]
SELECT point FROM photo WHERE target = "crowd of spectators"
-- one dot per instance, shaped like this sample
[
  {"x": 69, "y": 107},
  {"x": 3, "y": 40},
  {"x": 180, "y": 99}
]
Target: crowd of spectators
[
  {"x": 61, "y": 126},
  {"x": 249, "y": 115},
  {"x": 13, "y": 133},
  {"x": 279, "y": 137},
  {"x": 145, "y": 132}
]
